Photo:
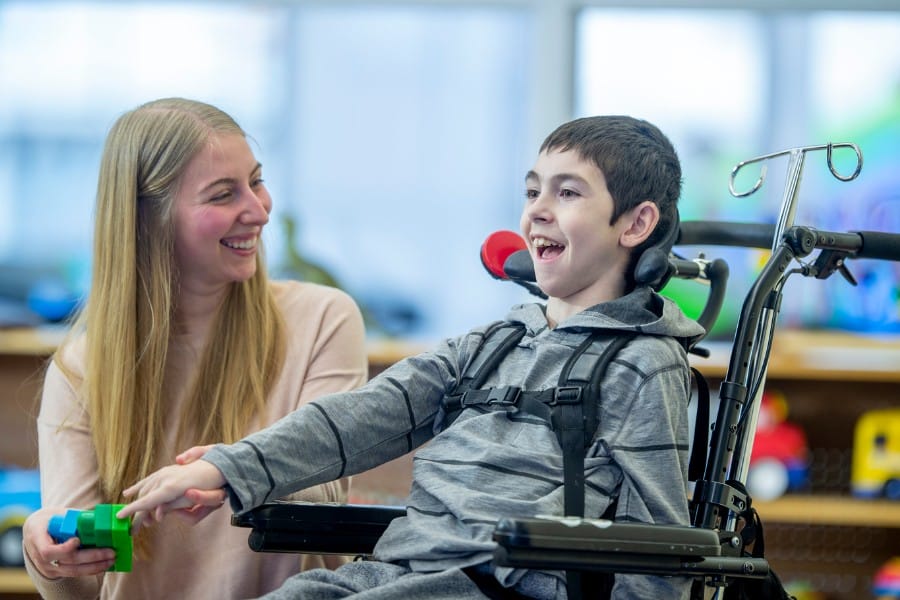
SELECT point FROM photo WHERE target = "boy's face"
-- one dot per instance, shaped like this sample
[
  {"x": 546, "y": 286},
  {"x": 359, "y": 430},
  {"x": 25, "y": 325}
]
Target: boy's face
[{"x": 565, "y": 222}]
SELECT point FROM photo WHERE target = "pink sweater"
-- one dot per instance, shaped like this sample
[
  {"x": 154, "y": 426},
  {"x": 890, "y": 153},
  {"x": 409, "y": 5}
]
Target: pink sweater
[{"x": 325, "y": 353}]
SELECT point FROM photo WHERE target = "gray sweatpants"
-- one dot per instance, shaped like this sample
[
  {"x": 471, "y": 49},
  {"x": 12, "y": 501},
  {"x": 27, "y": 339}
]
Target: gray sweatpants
[{"x": 373, "y": 580}]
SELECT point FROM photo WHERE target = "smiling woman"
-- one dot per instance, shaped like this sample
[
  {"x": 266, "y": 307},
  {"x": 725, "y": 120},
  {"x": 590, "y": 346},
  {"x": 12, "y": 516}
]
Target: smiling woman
[
  {"x": 183, "y": 341},
  {"x": 220, "y": 209}
]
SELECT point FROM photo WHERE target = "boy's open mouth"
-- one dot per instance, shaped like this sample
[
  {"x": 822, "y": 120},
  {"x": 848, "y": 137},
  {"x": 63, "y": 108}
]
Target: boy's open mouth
[{"x": 547, "y": 249}]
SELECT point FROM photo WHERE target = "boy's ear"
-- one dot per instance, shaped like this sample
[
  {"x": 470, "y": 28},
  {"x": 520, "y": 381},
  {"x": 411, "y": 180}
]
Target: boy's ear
[{"x": 641, "y": 221}]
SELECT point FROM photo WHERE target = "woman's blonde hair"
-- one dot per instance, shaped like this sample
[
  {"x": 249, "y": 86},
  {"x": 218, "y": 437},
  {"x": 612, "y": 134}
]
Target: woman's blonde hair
[{"x": 128, "y": 318}]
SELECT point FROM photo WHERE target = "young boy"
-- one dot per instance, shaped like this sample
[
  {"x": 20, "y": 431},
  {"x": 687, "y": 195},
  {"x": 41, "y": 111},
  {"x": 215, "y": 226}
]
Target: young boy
[{"x": 602, "y": 190}]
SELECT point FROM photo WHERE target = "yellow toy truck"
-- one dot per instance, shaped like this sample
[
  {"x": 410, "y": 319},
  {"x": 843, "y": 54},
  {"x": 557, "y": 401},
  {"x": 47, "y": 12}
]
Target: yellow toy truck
[{"x": 876, "y": 455}]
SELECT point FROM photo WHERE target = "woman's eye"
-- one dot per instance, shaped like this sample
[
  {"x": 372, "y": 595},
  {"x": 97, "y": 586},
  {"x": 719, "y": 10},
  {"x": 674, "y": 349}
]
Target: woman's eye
[
  {"x": 531, "y": 194},
  {"x": 257, "y": 182},
  {"x": 566, "y": 193},
  {"x": 221, "y": 197}
]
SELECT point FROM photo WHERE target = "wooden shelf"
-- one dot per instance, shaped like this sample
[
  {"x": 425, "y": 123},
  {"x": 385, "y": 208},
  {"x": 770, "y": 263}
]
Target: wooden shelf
[
  {"x": 15, "y": 581},
  {"x": 31, "y": 341},
  {"x": 830, "y": 510},
  {"x": 818, "y": 355},
  {"x": 384, "y": 353},
  {"x": 800, "y": 355}
]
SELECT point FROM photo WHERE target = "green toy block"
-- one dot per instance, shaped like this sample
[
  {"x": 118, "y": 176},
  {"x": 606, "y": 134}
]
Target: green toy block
[
  {"x": 121, "y": 540},
  {"x": 98, "y": 528}
]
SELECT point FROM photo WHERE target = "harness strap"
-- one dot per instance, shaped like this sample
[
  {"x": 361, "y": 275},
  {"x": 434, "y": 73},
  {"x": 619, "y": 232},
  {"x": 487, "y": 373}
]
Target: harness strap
[
  {"x": 576, "y": 420},
  {"x": 575, "y": 424},
  {"x": 490, "y": 353},
  {"x": 700, "y": 444}
]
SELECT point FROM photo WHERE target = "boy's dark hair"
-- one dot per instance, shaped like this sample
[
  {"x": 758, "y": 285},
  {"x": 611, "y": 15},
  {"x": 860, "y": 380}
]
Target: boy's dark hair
[{"x": 638, "y": 162}]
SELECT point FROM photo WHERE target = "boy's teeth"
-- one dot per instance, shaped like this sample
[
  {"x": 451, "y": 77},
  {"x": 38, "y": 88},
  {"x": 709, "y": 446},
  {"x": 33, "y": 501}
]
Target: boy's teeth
[{"x": 543, "y": 242}]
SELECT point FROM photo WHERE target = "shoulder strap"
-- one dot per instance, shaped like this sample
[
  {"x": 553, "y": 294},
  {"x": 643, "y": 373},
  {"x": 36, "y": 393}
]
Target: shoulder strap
[
  {"x": 575, "y": 423},
  {"x": 495, "y": 344},
  {"x": 574, "y": 416},
  {"x": 699, "y": 451}
]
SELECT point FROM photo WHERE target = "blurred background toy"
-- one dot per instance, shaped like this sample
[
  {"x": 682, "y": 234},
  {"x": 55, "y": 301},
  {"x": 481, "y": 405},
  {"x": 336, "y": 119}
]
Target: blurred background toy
[
  {"x": 875, "y": 470},
  {"x": 779, "y": 461},
  {"x": 20, "y": 495},
  {"x": 886, "y": 583}
]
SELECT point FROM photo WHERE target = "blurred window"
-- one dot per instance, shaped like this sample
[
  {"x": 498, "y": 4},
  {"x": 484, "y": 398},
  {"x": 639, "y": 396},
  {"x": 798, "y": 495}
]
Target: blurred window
[
  {"x": 728, "y": 85},
  {"x": 392, "y": 137}
]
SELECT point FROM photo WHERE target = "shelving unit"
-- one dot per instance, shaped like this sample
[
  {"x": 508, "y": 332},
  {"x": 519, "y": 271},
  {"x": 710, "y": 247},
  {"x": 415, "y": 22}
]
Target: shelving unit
[{"x": 825, "y": 537}]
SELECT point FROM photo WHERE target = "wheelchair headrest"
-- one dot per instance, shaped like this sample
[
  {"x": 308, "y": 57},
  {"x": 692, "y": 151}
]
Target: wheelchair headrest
[{"x": 654, "y": 268}]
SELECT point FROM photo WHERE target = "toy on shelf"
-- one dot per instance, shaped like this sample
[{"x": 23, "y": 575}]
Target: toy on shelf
[
  {"x": 876, "y": 455},
  {"x": 779, "y": 460},
  {"x": 20, "y": 495},
  {"x": 98, "y": 528},
  {"x": 886, "y": 583}
]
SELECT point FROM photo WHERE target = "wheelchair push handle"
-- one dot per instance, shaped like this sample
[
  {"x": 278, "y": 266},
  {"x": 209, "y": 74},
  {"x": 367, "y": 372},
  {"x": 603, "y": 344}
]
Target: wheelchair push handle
[
  {"x": 726, "y": 233},
  {"x": 879, "y": 245}
]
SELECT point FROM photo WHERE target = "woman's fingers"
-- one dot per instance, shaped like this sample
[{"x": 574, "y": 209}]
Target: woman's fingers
[
  {"x": 76, "y": 563},
  {"x": 54, "y": 560},
  {"x": 196, "y": 513},
  {"x": 192, "y": 454},
  {"x": 213, "y": 498}
]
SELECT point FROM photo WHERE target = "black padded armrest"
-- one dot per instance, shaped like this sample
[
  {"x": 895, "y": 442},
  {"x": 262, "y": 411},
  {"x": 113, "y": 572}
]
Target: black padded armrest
[
  {"x": 316, "y": 528},
  {"x": 602, "y": 545}
]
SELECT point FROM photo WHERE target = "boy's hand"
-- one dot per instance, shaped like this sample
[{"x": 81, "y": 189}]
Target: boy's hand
[{"x": 166, "y": 490}]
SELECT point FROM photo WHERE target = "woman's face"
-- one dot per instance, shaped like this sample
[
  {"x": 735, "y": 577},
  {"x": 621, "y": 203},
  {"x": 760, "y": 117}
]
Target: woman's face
[{"x": 219, "y": 211}]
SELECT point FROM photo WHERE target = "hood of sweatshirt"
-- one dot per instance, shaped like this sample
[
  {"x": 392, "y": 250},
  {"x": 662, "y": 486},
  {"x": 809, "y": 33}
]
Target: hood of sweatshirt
[{"x": 643, "y": 311}]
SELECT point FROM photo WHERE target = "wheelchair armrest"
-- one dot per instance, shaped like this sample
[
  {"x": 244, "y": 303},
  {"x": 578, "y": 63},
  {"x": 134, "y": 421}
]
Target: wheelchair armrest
[
  {"x": 601, "y": 545},
  {"x": 316, "y": 528}
]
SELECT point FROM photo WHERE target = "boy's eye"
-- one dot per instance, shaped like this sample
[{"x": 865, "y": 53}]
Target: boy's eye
[
  {"x": 567, "y": 193},
  {"x": 532, "y": 194},
  {"x": 255, "y": 183}
]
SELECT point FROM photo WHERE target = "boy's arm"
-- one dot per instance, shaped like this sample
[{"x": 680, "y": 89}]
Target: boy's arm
[
  {"x": 340, "y": 434},
  {"x": 327, "y": 334}
]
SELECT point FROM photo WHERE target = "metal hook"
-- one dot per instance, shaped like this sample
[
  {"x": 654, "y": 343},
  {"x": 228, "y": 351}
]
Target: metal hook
[
  {"x": 859, "y": 160},
  {"x": 800, "y": 152},
  {"x": 756, "y": 186}
]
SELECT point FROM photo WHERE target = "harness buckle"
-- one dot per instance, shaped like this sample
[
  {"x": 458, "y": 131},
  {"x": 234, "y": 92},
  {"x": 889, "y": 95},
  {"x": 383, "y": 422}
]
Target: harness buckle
[
  {"x": 506, "y": 396},
  {"x": 570, "y": 394}
]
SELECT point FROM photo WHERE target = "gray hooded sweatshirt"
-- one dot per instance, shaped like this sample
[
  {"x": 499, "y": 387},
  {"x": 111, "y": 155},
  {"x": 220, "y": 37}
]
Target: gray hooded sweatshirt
[{"x": 491, "y": 464}]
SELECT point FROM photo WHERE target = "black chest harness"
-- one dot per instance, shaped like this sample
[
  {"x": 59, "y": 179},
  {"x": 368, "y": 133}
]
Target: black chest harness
[{"x": 572, "y": 409}]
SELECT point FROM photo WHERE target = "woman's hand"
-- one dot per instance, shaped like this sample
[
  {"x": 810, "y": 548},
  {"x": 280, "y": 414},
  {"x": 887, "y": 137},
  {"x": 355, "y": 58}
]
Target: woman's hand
[
  {"x": 54, "y": 560},
  {"x": 166, "y": 490}
]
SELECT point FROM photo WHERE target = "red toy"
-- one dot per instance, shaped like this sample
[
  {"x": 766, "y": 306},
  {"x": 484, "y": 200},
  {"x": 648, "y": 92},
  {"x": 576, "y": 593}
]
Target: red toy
[{"x": 779, "y": 460}]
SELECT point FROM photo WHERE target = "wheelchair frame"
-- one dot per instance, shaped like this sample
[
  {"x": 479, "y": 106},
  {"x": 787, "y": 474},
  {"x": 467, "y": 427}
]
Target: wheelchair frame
[{"x": 711, "y": 548}]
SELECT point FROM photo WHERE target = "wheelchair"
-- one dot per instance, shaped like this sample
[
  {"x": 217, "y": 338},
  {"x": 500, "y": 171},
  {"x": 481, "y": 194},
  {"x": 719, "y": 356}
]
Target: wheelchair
[{"x": 717, "y": 549}]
